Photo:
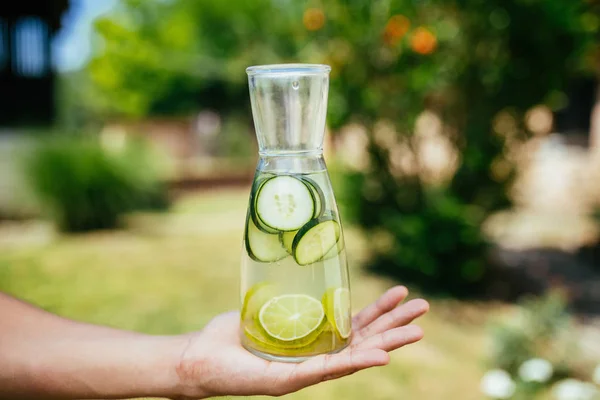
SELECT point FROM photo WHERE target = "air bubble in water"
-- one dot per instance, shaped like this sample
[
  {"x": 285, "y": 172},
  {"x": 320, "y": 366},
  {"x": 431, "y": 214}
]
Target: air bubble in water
[{"x": 295, "y": 85}]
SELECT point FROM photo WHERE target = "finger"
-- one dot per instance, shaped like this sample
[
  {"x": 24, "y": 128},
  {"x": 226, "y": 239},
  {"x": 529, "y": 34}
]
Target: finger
[
  {"x": 332, "y": 366},
  {"x": 385, "y": 303},
  {"x": 392, "y": 339},
  {"x": 399, "y": 316}
]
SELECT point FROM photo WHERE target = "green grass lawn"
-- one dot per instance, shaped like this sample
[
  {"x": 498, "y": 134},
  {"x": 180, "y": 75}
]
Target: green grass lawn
[{"x": 172, "y": 273}]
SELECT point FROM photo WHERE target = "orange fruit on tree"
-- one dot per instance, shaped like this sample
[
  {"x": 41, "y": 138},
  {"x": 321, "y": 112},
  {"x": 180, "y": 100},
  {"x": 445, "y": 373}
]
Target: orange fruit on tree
[
  {"x": 313, "y": 19},
  {"x": 423, "y": 41}
]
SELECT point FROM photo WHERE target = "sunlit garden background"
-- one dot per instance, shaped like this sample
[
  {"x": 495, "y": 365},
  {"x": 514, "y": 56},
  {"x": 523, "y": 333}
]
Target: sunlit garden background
[{"x": 463, "y": 143}]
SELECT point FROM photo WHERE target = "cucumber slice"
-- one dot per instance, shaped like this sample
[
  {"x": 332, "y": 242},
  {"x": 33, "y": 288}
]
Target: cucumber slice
[
  {"x": 335, "y": 250},
  {"x": 287, "y": 239},
  {"x": 253, "y": 195},
  {"x": 261, "y": 246},
  {"x": 284, "y": 203},
  {"x": 318, "y": 195},
  {"x": 315, "y": 239}
]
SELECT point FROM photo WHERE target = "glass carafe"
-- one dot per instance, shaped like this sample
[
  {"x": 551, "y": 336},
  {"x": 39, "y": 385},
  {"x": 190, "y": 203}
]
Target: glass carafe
[{"x": 294, "y": 279}]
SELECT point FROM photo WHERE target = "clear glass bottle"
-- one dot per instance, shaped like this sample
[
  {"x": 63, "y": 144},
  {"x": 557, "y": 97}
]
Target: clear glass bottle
[{"x": 294, "y": 278}]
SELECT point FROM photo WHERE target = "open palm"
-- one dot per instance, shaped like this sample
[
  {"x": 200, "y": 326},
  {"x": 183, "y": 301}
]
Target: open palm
[{"x": 215, "y": 363}]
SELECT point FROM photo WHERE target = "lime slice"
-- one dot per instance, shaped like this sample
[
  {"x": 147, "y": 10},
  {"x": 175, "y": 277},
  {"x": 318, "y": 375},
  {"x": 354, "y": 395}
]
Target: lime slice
[
  {"x": 255, "y": 298},
  {"x": 259, "y": 337},
  {"x": 292, "y": 319},
  {"x": 337, "y": 307},
  {"x": 256, "y": 335}
]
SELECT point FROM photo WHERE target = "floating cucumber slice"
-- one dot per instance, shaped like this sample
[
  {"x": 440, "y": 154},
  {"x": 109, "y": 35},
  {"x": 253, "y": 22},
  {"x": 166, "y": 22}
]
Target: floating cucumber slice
[
  {"x": 253, "y": 196},
  {"x": 315, "y": 239},
  {"x": 318, "y": 195},
  {"x": 287, "y": 239},
  {"x": 335, "y": 250},
  {"x": 261, "y": 246},
  {"x": 284, "y": 203}
]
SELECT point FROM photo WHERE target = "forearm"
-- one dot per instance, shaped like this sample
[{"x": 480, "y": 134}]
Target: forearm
[{"x": 45, "y": 356}]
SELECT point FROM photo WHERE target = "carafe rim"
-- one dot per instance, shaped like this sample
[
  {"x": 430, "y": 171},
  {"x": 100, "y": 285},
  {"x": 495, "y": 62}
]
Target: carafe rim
[{"x": 288, "y": 69}]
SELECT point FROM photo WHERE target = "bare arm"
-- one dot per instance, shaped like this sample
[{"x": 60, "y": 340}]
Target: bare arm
[{"x": 44, "y": 355}]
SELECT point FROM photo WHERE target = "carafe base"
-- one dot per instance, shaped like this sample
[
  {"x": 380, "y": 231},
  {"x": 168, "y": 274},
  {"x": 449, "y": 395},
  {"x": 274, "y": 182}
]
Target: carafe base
[{"x": 287, "y": 359}]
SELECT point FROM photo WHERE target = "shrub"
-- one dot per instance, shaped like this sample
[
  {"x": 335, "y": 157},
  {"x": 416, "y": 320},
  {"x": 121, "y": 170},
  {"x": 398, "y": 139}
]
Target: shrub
[
  {"x": 537, "y": 351},
  {"x": 84, "y": 187},
  {"x": 427, "y": 237}
]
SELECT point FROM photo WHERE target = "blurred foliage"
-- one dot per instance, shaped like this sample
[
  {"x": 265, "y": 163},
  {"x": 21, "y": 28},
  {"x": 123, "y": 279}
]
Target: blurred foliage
[
  {"x": 466, "y": 61},
  {"x": 234, "y": 140},
  {"x": 537, "y": 329},
  {"x": 491, "y": 58},
  {"x": 540, "y": 328},
  {"x": 85, "y": 187},
  {"x": 439, "y": 244}
]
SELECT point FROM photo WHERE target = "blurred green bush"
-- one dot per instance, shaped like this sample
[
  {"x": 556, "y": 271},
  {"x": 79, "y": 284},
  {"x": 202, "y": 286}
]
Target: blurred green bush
[
  {"x": 538, "y": 347},
  {"x": 436, "y": 241},
  {"x": 84, "y": 186},
  {"x": 538, "y": 328}
]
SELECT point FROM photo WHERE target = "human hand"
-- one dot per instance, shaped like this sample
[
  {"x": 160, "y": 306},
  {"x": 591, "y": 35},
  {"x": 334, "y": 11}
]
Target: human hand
[{"x": 214, "y": 362}]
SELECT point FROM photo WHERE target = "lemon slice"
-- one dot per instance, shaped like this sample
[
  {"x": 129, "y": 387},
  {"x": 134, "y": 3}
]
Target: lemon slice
[
  {"x": 337, "y": 307},
  {"x": 292, "y": 319},
  {"x": 255, "y": 298}
]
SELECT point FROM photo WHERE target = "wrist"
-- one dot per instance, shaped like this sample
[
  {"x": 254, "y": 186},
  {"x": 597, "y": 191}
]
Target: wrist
[
  {"x": 191, "y": 370},
  {"x": 167, "y": 369},
  {"x": 153, "y": 368}
]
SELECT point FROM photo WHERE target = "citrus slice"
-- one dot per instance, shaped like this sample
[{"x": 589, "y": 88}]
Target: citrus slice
[
  {"x": 255, "y": 298},
  {"x": 292, "y": 319},
  {"x": 259, "y": 337},
  {"x": 337, "y": 308},
  {"x": 256, "y": 335}
]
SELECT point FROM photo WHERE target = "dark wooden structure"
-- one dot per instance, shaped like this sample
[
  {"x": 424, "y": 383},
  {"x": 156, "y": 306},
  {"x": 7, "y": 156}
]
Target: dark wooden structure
[{"x": 26, "y": 76}]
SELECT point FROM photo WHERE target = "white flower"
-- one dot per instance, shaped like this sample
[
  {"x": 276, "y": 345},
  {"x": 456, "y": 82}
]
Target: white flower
[
  {"x": 596, "y": 376},
  {"x": 572, "y": 389},
  {"x": 536, "y": 370},
  {"x": 497, "y": 384}
]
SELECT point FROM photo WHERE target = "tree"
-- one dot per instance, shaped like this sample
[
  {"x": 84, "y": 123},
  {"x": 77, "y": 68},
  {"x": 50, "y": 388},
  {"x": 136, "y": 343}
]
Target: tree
[{"x": 466, "y": 61}]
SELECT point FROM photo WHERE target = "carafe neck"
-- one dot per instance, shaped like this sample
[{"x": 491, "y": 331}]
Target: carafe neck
[
  {"x": 292, "y": 163},
  {"x": 289, "y": 105},
  {"x": 291, "y": 153}
]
